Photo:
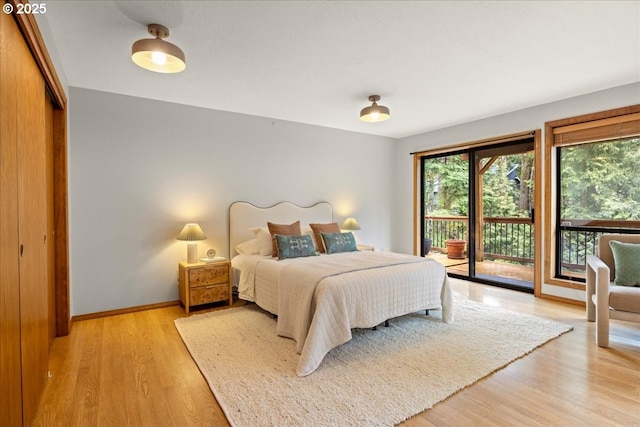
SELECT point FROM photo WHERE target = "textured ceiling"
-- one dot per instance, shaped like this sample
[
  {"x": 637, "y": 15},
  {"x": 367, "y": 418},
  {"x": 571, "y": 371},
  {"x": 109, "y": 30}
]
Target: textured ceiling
[{"x": 435, "y": 64}]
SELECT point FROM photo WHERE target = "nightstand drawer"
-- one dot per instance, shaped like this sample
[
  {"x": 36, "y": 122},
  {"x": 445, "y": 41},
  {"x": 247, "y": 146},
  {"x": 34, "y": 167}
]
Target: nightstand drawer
[
  {"x": 204, "y": 283},
  {"x": 210, "y": 293},
  {"x": 208, "y": 276}
]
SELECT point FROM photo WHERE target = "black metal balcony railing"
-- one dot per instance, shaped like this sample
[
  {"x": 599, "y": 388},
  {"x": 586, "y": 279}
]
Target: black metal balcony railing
[
  {"x": 578, "y": 241},
  {"x": 441, "y": 228},
  {"x": 503, "y": 238},
  {"x": 511, "y": 239},
  {"x": 508, "y": 239}
]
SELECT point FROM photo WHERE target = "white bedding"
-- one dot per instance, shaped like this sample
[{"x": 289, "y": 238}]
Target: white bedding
[
  {"x": 258, "y": 280},
  {"x": 319, "y": 299}
]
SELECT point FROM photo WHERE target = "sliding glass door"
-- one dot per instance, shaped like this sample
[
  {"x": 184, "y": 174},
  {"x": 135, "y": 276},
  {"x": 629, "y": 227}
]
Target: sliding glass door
[
  {"x": 478, "y": 207},
  {"x": 446, "y": 210},
  {"x": 504, "y": 244}
]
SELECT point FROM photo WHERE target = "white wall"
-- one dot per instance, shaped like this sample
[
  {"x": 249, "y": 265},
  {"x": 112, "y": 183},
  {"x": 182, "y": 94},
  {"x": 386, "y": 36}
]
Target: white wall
[
  {"x": 139, "y": 169},
  {"x": 52, "y": 50},
  {"x": 517, "y": 121}
]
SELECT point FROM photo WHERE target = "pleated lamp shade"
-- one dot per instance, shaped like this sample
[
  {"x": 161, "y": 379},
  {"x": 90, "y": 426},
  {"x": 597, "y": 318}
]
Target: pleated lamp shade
[
  {"x": 192, "y": 234},
  {"x": 350, "y": 224}
]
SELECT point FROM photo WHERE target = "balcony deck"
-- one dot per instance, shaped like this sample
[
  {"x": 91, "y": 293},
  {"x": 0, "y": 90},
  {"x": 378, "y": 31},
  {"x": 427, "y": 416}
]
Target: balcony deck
[{"x": 495, "y": 270}]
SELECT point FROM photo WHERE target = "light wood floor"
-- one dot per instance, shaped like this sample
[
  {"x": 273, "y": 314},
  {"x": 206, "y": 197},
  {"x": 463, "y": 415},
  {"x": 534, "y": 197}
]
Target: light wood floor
[{"x": 133, "y": 370}]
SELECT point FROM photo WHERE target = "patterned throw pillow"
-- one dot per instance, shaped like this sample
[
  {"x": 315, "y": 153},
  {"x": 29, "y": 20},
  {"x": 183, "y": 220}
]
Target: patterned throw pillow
[
  {"x": 626, "y": 257},
  {"x": 339, "y": 242},
  {"x": 284, "y": 229},
  {"x": 294, "y": 246}
]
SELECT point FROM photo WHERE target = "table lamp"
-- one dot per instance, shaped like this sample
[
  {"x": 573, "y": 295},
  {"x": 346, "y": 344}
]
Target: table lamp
[
  {"x": 350, "y": 224},
  {"x": 192, "y": 234}
]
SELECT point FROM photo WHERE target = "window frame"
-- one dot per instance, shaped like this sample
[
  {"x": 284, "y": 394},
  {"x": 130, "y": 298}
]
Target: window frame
[
  {"x": 601, "y": 126},
  {"x": 470, "y": 146}
]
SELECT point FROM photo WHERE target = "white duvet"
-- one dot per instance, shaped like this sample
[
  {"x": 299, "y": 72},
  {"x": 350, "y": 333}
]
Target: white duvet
[{"x": 320, "y": 299}]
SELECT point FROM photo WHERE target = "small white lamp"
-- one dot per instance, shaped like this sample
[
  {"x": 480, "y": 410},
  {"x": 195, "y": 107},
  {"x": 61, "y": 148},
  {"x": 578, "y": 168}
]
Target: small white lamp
[{"x": 192, "y": 234}]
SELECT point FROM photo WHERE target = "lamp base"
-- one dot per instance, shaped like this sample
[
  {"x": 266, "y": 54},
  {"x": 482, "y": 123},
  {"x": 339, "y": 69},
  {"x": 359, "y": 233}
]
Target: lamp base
[{"x": 192, "y": 252}]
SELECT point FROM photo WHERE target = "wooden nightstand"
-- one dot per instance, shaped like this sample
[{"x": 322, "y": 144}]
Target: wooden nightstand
[
  {"x": 365, "y": 247},
  {"x": 204, "y": 283}
]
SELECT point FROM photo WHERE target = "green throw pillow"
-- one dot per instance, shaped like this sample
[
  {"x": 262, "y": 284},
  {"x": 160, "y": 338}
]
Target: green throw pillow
[
  {"x": 626, "y": 257},
  {"x": 294, "y": 246},
  {"x": 339, "y": 242}
]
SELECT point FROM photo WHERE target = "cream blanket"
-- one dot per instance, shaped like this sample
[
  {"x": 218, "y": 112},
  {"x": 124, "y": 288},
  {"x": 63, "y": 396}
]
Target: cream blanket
[{"x": 320, "y": 302}]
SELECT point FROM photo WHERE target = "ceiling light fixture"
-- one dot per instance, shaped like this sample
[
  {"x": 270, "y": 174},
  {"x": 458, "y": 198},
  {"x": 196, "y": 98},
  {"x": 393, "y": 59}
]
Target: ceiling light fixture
[
  {"x": 374, "y": 113},
  {"x": 156, "y": 54}
]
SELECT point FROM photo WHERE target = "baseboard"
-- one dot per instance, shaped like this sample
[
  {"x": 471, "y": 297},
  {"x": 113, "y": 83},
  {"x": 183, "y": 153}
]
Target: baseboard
[
  {"x": 563, "y": 299},
  {"x": 123, "y": 311}
]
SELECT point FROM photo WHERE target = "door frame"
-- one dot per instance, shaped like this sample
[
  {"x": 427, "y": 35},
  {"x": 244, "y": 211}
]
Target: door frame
[{"x": 478, "y": 144}]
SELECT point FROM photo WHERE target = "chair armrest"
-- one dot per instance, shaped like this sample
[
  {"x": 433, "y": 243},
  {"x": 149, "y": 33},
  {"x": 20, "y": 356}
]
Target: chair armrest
[
  {"x": 598, "y": 285},
  {"x": 596, "y": 263}
]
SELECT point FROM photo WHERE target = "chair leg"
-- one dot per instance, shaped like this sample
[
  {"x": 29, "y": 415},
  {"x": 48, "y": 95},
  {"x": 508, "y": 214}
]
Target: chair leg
[
  {"x": 602, "y": 328},
  {"x": 590, "y": 305},
  {"x": 602, "y": 323},
  {"x": 598, "y": 299}
]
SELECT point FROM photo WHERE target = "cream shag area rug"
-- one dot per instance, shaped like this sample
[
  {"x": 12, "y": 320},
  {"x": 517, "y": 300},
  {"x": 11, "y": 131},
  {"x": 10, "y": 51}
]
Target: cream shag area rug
[{"x": 379, "y": 378}]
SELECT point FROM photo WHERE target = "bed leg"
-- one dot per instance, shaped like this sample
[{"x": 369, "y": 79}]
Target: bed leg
[
  {"x": 386, "y": 323},
  {"x": 375, "y": 328},
  {"x": 426, "y": 312}
]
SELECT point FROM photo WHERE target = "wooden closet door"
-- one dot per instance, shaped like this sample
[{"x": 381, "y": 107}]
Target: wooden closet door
[
  {"x": 32, "y": 210},
  {"x": 10, "y": 363},
  {"x": 51, "y": 256}
]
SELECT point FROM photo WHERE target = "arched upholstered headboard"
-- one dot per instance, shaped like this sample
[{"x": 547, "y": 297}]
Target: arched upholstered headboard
[{"x": 243, "y": 215}]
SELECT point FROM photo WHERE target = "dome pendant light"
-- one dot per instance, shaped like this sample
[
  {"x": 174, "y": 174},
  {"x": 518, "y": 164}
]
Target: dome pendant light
[
  {"x": 156, "y": 54},
  {"x": 374, "y": 113}
]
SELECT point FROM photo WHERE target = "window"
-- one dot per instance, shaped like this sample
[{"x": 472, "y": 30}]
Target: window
[{"x": 595, "y": 187}]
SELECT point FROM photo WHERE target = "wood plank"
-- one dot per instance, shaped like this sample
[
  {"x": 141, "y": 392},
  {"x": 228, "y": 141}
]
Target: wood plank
[
  {"x": 557, "y": 384},
  {"x": 568, "y": 381},
  {"x": 537, "y": 214},
  {"x": 26, "y": 296},
  {"x": 61, "y": 222},
  {"x": 33, "y": 37},
  {"x": 10, "y": 379},
  {"x": 50, "y": 224},
  {"x": 486, "y": 267},
  {"x": 32, "y": 229}
]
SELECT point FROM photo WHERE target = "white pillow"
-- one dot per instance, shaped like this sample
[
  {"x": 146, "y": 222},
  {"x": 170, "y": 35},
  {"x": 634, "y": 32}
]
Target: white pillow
[
  {"x": 250, "y": 247},
  {"x": 263, "y": 237},
  {"x": 306, "y": 230}
]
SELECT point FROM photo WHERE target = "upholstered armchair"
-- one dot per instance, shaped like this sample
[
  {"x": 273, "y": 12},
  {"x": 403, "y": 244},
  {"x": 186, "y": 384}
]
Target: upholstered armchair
[{"x": 605, "y": 299}]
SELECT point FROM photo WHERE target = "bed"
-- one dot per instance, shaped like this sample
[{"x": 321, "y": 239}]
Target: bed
[{"x": 317, "y": 300}]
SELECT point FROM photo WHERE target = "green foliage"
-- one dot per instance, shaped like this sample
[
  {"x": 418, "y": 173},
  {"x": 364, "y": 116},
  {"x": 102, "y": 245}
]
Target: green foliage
[
  {"x": 446, "y": 186},
  {"x": 598, "y": 180},
  {"x": 498, "y": 195},
  {"x": 601, "y": 180}
]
